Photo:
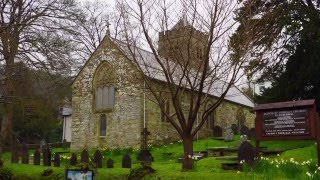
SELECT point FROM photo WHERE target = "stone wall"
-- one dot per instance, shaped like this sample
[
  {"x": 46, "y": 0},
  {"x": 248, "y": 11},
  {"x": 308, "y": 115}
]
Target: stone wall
[
  {"x": 123, "y": 121},
  {"x": 164, "y": 133}
]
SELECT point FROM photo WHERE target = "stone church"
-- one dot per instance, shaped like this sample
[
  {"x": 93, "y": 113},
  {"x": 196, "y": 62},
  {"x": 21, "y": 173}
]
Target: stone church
[{"x": 110, "y": 109}]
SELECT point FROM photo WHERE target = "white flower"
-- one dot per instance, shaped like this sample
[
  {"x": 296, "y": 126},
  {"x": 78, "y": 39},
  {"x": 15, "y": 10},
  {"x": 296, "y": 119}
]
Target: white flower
[
  {"x": 189, "y": 156},
  {"x": 308, "y": 174},
  {"x": 278, "y": 154},
  {"x": 195, "y": 158}
]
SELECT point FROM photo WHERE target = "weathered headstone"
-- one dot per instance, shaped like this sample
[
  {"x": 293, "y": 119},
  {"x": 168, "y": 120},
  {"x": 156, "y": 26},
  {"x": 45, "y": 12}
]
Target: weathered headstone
[
  {"x": 73, "y": 159},
  {"x": 24, "y": 154},
  {"x": 84, "y": 156},
  {"x": 252, "y": 133},
  {"x": 246, "y": 153},
  {"x": 46, "y": 153},
  {"x": 64, "y": 143},
  {"x": 15, "y": 151},
  {"x": 97, "y": 159},
  {"x": 244, "y": 130},
  {"x": 228, "y": 135},
  {"x": 110, "y": 163},
  {"x": 217, "y": 131},
  {"x": 126, "y": 161},
  {"x": 36, "y": 157},
  {"x": 234, "y": 128},
  {"x": 56, "y": 160}
]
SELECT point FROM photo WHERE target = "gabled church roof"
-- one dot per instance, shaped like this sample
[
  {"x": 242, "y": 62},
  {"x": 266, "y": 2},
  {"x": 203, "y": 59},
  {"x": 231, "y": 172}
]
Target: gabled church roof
[{"x": 153, "y": 70}]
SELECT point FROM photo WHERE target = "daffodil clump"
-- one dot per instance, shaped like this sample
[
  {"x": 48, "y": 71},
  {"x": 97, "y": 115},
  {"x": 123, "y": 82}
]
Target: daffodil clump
[{"x": 289, "y": 168}]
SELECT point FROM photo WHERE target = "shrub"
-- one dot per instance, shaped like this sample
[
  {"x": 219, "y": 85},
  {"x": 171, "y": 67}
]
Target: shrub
[
  {"x": 5, "y": 173},
  {"x": 140, "y": 172}
]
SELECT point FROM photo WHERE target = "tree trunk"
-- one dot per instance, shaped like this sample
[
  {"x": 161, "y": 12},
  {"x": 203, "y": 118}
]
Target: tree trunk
[
  {"x": 188, "y": 153},
  {"x": 6, "y": 127},
  {"x": 6, "y": 133}
]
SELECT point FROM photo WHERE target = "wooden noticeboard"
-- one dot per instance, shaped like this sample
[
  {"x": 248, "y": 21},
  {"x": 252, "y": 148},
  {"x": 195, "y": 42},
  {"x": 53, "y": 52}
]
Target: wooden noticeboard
[{"x": 292, "y": 120}]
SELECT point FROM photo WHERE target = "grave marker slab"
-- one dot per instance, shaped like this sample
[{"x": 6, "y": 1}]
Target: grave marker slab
[
  {"x": 84, "y": 156},
  {"x": 252, "y": 133},
  {"x": 15, "y": 151},
  {"x": 73, "y": 159},
  {"x": 246, "y": 153},
  {"x": 126, "y": 161},
  {"x": 244, "y": 131},
  {"x": 36, "y": 157},
  {"x": 56, "y": 160},
  {"x": 24, "y": 154},
  {"x": 46, "y": 153},
  {"x": 97, "y": 159},
  {"x": 228, "y": 135},
  {"x": 235, "y": 129},
  {"x": 110, "y": 163}
]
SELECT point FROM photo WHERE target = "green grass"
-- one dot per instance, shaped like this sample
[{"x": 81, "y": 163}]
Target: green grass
[{"x": 166, "y": 165}]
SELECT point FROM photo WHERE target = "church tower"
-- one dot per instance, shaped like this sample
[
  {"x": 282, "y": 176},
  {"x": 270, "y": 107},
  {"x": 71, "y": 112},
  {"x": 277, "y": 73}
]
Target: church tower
[{"x": 183, "y": 44}]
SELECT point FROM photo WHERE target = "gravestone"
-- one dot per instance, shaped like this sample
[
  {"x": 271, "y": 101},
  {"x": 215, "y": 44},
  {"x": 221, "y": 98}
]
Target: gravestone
[
  {"x": 56, "y": 160},
  {"x": 228, "y": 135},
  {"x": 84, "y": 156},
  {"x": 46, "y": 153},
  {"x": 246, "y": 153},
  {"x": 217, "y": 131},
  {"x": 252, "y": 133},
  {"x": 126, "y": 161},
  {"x": 244, "y": 130},
  {"x": 110, "y": 163},
  {"x": 15, "y": 151},
  {"x": 64, "y": 143},
  {"x": 97, "y": 159},
  {"x": 24, "y": 154},
  {"x": 235, "y": 129},
  {"x": 73, "y": 159},
  {"x": 36, "y": 157}
]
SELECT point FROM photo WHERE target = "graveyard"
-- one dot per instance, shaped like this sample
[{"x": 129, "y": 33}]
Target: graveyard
[{"x": 296, "y": 159}]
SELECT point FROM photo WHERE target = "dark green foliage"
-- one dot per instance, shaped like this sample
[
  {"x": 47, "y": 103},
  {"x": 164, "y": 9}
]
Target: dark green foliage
[
  {"x": 300, "y": 79},
  {"x": 271, "y": 31},
  {"x": 5, "y": 173},
  {"x": 140, "y": 172},
  {"x": 47, "y": 172},
  {"x": 37, "y": 99}
]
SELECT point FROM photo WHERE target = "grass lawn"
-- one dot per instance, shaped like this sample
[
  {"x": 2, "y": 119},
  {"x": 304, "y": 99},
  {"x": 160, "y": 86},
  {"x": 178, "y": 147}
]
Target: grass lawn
[{"x": 166, "y": 165}]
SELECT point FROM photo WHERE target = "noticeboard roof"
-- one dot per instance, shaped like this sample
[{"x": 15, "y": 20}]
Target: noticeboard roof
[{"x": 286, "y": 104}]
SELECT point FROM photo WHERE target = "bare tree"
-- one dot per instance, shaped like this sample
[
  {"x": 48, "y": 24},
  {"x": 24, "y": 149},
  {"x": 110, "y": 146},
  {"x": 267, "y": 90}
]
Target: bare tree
[
  {"x": 90, "y": 28},
  {"x": 32, "y": 31},
  {"x": 192, "y": 58}
]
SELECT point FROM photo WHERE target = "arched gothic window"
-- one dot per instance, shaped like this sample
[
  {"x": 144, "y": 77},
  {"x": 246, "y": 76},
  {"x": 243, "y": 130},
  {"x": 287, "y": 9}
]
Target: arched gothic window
[{"x": 104, "y": 90}]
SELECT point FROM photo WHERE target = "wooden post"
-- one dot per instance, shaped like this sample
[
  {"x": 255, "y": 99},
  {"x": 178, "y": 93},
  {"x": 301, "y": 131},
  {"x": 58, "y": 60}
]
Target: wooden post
[
  {"x": 318, "y": 137},
  {"x": 257, "y": 148}
]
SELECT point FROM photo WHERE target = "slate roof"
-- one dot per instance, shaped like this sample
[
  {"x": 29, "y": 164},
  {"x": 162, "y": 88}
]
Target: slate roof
[{"x": 152, "y": 69}]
